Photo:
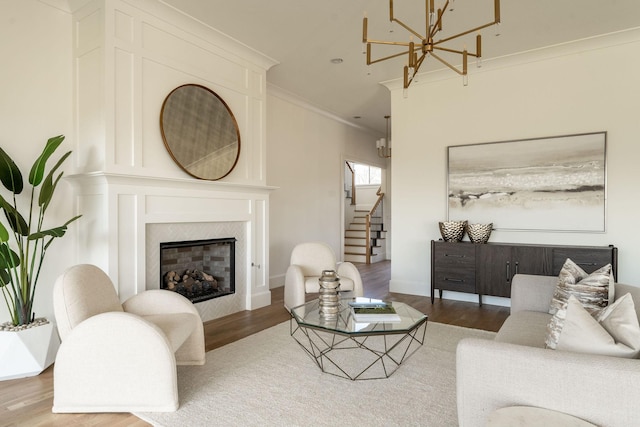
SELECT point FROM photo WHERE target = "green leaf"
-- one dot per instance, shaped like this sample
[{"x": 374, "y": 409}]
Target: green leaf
[
  {"x": 46, "y": 192},
  {"x": 53, "y": 232},
  {"x": 49, "y": 186},
  {"x": 5, "y": 278},
  {"x": 10, "y": 174},
  {"x": 16, "y": 221},
  {"x": 4, "y": 233},
  {"x": 8, "y": 258},
  {"x": 37, "y": 170}
]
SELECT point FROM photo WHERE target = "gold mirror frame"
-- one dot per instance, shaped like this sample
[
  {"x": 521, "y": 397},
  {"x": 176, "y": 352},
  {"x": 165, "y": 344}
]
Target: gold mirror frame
[{"x": 200, "y": 132}]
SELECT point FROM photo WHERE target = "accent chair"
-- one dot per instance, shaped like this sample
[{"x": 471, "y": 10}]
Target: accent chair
[
  {"x": 120, "y": 357},
  {"x": 306, "y": 265}
]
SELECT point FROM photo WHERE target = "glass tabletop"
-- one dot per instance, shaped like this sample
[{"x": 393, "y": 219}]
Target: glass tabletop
[{"x": 308, "y": 315}]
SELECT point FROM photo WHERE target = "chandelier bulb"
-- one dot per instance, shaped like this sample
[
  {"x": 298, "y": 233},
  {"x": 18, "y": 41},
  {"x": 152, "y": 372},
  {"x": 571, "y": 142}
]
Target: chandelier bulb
[
  {"x": 451, "y": 5},
  {"x": 497, "y": 29},
  {"x": 465, "y": 80}
]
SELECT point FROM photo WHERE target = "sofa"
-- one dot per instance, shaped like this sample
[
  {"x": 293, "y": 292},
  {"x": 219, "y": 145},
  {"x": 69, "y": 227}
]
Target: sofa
[{"x": 516, "y": 370}]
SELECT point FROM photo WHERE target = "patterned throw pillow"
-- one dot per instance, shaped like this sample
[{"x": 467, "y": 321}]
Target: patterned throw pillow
[{"x": 593, "y": 291}]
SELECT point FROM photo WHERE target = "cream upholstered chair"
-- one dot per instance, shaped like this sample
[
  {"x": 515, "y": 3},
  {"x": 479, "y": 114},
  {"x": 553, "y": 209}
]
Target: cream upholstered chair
[
  {"x": 120, "y": 357},
  {"x": 307, "y": 262}
]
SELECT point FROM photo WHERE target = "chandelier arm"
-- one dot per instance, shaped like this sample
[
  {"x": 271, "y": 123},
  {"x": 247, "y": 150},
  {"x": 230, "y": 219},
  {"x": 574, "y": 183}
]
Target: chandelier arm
[
  {"x": 405, "y": 44},
  {"x": 460, "y": 52},
  {"x": 437, "y": 26},
  {"x": 419, "y": 63},
  {"x": 407, "y": 79},
  {"x": 408, "y": 28},
  {"x": 466, "y": 32},
  {"x": 447, "y": 64},
  {"x": 386, "y": 57}
]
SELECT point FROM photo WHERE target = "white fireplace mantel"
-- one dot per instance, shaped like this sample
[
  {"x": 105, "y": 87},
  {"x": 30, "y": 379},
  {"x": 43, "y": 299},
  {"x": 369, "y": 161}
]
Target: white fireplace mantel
[{"x": 118, "y": 210}]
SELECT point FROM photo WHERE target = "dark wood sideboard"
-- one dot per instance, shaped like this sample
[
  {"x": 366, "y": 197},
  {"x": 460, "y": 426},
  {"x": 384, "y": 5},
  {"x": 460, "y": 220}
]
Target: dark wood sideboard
[{"x": 487, "y": 269}]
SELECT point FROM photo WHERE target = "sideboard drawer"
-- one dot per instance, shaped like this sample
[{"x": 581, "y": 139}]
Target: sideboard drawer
[
  {"x": 459, "y": 280},
  {"x": 589, "y": 259},
  {"x": 455, "y": 255}
]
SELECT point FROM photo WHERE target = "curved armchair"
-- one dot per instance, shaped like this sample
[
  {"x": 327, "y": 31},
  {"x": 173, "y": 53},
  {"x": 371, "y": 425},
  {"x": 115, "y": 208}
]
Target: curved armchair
[
  {"x": 307, "y": 262},
  {"x": 120, "y": 357}
]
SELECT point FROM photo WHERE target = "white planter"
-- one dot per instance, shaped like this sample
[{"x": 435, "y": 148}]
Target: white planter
[{"x": 27, "y": 352}]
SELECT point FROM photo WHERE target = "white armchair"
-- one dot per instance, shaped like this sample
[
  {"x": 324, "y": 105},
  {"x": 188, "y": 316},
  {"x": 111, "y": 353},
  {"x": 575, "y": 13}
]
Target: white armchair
[
  {"x": 306, "y": 265},
  {"x": 120, "y": 357}
]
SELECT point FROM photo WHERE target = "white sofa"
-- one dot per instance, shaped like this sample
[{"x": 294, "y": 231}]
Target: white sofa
[
  {"x": 516, "y": 370},
  {"x": 120, "y": 357}
]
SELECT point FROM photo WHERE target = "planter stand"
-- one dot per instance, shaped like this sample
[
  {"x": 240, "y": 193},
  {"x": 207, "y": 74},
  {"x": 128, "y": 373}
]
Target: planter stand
[{"x": 27, "y": 352}]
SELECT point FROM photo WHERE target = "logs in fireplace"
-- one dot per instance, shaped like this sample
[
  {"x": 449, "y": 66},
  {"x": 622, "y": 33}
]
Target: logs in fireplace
[{"x": 198, "y": 269}]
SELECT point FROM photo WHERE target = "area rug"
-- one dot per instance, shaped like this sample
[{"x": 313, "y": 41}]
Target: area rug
[{"x": 267, "y": 379}]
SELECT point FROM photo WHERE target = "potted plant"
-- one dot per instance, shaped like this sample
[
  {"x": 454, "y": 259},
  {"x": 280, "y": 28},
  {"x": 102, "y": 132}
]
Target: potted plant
[{"x": 23, "y": 246}]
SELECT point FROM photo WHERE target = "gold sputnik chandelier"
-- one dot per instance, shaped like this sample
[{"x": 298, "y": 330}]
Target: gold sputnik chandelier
[{"x": 427, "y": 45}]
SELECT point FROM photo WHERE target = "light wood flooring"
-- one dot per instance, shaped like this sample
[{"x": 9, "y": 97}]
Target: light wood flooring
[{"x": 27, "y": 402}]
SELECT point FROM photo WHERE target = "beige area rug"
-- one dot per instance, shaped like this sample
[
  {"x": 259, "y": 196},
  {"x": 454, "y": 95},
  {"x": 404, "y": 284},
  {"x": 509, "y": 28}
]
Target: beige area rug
[{"x": 267, "y": 379}]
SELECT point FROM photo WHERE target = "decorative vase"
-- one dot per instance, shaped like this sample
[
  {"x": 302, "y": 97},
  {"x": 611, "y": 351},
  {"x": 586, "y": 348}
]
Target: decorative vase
[
  {"x": 27, "y": 351},
  {"x": 479, "y": 233},
  {"x": 329, "y": 301},
  {"x": 452, "y": 231}
]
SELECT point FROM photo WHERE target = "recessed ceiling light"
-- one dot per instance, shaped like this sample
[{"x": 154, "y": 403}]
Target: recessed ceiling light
[{"x": 337, "y": 61}]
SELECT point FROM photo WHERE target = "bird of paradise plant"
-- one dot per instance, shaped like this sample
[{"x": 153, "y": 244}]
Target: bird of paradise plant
[{"x": 21, "y": 257}]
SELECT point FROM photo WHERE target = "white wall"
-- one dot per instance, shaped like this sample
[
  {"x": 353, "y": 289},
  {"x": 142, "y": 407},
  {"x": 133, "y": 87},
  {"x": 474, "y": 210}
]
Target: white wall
[
  {"x": 586, "y": 86},
  {"x": 35, "y": 83},
  {"x": 305, "y": 160}
]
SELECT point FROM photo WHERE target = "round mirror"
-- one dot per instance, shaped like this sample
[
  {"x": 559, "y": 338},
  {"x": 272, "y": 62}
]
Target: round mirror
[{"x": 200, "y": 132}]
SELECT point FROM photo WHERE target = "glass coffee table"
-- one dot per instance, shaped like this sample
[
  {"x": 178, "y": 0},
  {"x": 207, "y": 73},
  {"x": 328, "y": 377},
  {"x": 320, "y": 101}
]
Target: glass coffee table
[{"x": 353, "y": 350}]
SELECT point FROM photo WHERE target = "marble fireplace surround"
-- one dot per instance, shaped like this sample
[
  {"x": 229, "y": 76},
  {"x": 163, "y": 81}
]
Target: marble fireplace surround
[
  {"x": 158, "y": 233},
  {"x": 125, "y": 217}
]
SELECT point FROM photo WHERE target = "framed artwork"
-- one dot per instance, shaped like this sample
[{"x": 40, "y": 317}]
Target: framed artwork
[{"x": 553, "y": 184}]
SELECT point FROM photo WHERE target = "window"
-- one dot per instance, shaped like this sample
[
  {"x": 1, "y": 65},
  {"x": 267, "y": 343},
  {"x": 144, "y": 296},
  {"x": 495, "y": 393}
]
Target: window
[{"x": 367, "y": 175}]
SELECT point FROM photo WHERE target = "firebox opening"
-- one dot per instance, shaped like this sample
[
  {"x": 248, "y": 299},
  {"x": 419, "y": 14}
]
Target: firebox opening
[{"x": 198, "y": 269}]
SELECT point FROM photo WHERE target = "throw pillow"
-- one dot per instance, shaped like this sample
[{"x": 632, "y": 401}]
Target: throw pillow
[
  {"x": 593, "y": 290},
  {"x": 615, "y": 331}
]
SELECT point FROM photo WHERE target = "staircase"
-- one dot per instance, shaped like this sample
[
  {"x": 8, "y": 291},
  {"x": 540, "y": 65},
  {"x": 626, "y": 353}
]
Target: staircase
[
  {"x": 355, "y": 238},
  {"x": 364, "y": 238}
]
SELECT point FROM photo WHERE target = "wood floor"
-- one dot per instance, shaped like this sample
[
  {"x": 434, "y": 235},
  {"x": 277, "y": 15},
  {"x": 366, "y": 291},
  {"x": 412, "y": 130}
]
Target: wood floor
[{"x": 27, "y": 402}]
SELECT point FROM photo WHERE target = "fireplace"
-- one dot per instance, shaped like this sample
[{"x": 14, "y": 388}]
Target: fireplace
[{"x": 200, "y": 270}]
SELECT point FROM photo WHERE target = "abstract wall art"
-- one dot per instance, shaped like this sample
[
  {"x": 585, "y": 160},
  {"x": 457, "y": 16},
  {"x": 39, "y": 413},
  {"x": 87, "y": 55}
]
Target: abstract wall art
[{"x": 549, "y": 184}]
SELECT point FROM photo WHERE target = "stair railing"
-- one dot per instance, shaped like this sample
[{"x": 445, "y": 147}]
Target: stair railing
[
  {"x": 353, "y": 183},
  {"x": 377, "y": 205}
]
